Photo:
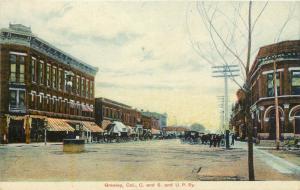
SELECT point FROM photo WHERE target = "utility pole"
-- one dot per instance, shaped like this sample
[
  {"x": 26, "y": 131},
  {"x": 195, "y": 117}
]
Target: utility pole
[
  {"x": 221, "y": 107},
  {"x": 226, "y": 71},
  {"x": 276, "y": 106}
]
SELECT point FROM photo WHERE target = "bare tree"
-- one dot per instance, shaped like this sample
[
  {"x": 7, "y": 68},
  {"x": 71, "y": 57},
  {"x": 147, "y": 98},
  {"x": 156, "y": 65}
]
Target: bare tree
[{"x": 224, "y": 45}]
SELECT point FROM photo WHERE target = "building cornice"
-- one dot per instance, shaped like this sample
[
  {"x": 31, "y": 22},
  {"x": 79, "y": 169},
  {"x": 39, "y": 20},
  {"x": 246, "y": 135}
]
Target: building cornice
[{"x": 22, "y": 35}]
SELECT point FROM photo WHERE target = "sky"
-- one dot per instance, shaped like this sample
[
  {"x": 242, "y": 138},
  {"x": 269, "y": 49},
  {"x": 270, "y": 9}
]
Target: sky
[{"x": 157, "y": 56}]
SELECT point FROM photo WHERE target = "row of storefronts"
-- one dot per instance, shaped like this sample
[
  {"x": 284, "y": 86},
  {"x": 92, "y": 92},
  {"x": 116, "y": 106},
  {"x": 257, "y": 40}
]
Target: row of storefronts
[
  {"x": 283, "y": 59},
  {"x": 48, "y": 95}
]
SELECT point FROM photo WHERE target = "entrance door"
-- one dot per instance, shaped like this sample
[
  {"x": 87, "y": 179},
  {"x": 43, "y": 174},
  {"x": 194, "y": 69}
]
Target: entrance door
[
  {"x": 16, "y": 132},
  {"x": 297, "y": 123},
  {"x": 272, "y": 122}
]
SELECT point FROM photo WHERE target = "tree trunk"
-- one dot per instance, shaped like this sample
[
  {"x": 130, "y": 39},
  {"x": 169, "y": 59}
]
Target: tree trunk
[{"x": 249, "y": 125}]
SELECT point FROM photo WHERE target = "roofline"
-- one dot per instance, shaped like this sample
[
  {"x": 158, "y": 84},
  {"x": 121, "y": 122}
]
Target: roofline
[{"x": 30, "y": 38}]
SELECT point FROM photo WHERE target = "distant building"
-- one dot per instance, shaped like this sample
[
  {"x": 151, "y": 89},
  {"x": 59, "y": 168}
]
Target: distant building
[
  {"x": 107, "y": 111},
  {"x": 287, "y": 60},
  {"x": 42, "y": 88},
  {"x": 162, "y": 118}
]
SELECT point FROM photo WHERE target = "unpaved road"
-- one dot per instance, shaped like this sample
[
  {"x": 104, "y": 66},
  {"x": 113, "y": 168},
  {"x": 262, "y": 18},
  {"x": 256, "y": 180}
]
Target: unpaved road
[{"x": 167, "y": 160}]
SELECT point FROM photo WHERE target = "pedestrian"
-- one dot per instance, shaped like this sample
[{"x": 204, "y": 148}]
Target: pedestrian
[
  {"x": 219, "y": 140},
  {"x": 215, "y": 140},
  {"x": 232, "y": 139},
  {"x": 211, "y": 140}
]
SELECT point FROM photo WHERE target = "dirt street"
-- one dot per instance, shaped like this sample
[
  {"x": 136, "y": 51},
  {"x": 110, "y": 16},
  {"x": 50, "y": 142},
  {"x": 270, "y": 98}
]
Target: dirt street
[{"x": 167, "y": 160}]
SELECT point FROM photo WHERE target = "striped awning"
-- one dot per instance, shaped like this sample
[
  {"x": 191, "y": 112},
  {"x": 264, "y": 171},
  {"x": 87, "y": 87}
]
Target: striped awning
[
  {"x": 55, "y": 124},
  {"x": 155, "y": 131},
  {"x": 93, "y": 127},
  {"x": 105, "y": 123}
]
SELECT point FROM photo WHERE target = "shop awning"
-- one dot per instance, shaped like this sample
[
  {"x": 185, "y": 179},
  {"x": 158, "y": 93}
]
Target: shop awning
[
  {"x": 105, "y": 123},
  {"x": 155, "y": 131},
  {"x": 130, "y": 129},
  {"x": 55, "y": 124},
  {"x": 93, "y": 127}
]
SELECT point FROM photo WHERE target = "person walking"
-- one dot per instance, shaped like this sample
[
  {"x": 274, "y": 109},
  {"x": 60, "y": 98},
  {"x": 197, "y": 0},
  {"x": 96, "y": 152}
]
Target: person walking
[{"x": 232, "y": 139}]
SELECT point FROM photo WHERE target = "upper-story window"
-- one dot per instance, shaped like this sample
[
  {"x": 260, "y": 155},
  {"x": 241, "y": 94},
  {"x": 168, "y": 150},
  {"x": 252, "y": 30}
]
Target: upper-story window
[
  {"x": 82, "y": 86},
  {"x": 48, "y": 72},
  {"x": 296, "y": 82},
  {"x": 270, "y": 84},
  {"x": 22, "y": 69},
  {"x": 16, "y": 99},
  {"x": 87, "y": 88},
  {"x": 33, "y": 69},
  {"x": 59, "y": 77},
  {"x": 54, "y": 82},
  {"x": 91, "y": 89},
  {"x": 77, "y": 84},
  {"x": 40, "y": 72},
  {"x": 13, "y": 68},
  {"x": 17, "y": 68}
]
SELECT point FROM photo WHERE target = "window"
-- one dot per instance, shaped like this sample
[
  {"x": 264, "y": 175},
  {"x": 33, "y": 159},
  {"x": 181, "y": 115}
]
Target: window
[
  {"x": 16, "y": 99},
  {"x": 41, "y": 72},
  {"x": 87, "y": 88},
  {"x": 91, "y": 89},
  {"x": 48, "y": 70},
  {"x": 21, "y": 98},
  {"x": 77, "y": 84},
  {"x": 13, "y": 68},
  {"x": 17, "y": 68},
  {"x": 32, "y": 69},
  {"x": 60, "y": 73},
  {"x": 54, "y": 77},
  {"x": 295, "y": 82},
  {"x": 270, "y": 84},
  {"x": 21, "y": 69},
  {"x": 82, "y": 86},
  {"x": 13, "y": 98}
]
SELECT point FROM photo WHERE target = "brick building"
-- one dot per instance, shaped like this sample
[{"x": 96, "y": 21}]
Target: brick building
[
  {"x": 162, "y": 118},
  {"x": 107, "y": 111},
  {"x": 42, "y": 89},
  {"x": 286, "y": 56}
]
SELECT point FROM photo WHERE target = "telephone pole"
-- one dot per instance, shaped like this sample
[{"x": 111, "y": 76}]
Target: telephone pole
[
  {"x": 221, "y": 109},
  {"x": 226, "y": 71}
]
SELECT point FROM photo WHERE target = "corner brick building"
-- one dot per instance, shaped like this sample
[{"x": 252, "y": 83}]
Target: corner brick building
[
  {"x": 286, "y": 56},
  {"x": 42, "y": 88}
]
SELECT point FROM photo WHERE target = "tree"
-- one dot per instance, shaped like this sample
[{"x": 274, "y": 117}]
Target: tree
[{"x": 224, "y": 46}]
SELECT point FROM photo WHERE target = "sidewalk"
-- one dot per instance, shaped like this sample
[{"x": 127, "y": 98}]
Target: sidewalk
[
  {"x": 31, "y": 144},
  {"x": 277, "y": 163}
]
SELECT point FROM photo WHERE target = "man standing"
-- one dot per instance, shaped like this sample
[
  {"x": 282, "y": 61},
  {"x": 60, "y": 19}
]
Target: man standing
[{"x": 232, "y": 139}]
